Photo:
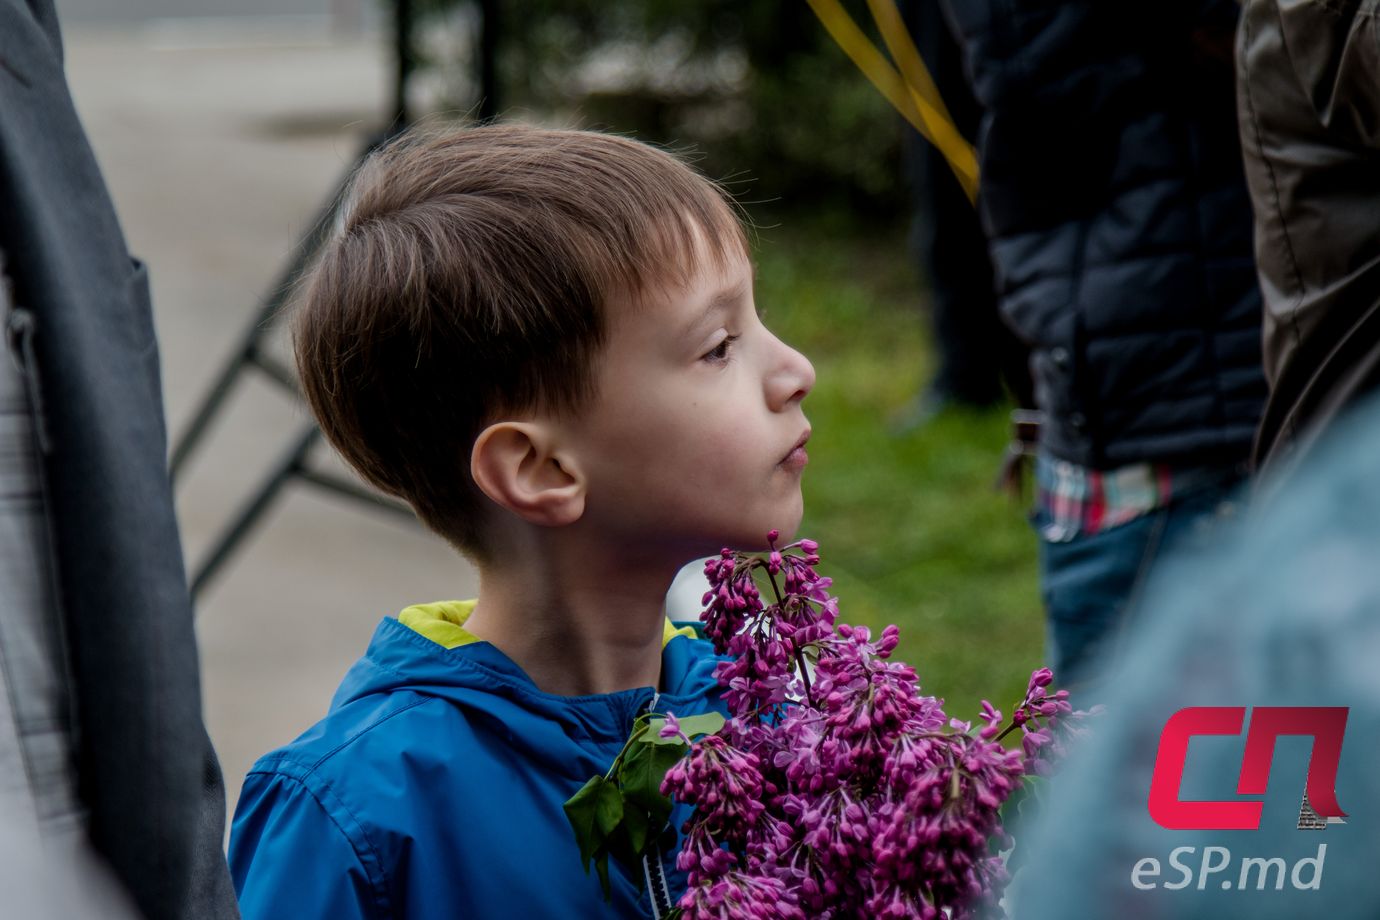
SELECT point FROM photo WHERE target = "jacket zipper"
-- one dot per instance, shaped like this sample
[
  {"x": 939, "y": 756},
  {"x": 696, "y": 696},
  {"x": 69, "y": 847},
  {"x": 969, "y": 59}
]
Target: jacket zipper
[
  {"x": 656, "y": 883},
  {"x": 657, "y": 889}
]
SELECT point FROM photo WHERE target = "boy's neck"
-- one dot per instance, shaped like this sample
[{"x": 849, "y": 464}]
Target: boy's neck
[{"x": 575, "y": 630}]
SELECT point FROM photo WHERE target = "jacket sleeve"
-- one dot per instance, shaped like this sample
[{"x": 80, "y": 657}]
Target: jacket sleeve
[
  {"x": 1334, "y": 50},
  {"x": 297, "y": 854}
]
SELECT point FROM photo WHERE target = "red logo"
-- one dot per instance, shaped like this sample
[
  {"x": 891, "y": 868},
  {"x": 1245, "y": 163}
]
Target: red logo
[{"x": 1326, "y": 725}]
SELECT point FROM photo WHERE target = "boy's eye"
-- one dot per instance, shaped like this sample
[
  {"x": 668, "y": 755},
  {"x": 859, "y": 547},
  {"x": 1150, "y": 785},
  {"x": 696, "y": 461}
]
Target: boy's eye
[{"x": 719, "y": 353}]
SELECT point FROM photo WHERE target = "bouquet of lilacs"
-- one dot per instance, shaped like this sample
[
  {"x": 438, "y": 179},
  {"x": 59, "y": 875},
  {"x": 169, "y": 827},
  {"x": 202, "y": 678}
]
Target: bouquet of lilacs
[{"x": 836, "y": 789}]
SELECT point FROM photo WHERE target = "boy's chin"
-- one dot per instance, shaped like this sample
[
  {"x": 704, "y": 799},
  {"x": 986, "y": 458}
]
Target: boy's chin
[
  {"x": 749, "y": 533},
  {"x": 755, "y": 540}
]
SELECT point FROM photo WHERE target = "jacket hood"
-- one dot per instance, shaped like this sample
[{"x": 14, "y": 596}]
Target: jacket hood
[{"x": 427, "y": 652}]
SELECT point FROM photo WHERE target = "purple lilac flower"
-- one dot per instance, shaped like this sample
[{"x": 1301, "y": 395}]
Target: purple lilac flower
[
  {"x": 672, "y": 728},
  {"x": 741, "y": 896},
  {"x": 724, "y": 785},
  {"x": 849, "y": 792}
]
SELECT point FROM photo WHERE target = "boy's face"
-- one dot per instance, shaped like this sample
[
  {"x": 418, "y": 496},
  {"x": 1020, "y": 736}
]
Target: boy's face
[{"x": 691, "y": 442}]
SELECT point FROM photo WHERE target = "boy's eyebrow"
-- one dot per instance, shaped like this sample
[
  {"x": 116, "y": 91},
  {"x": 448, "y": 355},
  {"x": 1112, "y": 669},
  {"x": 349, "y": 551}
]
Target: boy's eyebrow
[{"x": 719, "y": 303}]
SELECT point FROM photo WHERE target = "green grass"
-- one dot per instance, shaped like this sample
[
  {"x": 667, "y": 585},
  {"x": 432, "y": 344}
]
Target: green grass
[{"x": 910, "y": 527}]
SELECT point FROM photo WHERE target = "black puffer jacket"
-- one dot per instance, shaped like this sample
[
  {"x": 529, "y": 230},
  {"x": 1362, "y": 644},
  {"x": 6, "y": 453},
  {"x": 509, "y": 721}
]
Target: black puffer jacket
[{"x": 1117, "y": 213}]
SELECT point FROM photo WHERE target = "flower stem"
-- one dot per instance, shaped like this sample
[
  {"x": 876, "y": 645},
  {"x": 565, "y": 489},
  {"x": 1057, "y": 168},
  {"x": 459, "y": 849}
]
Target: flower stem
[
  {"x": 636, "y": 733},
  {"x": 799, "y": 660},
  {"x": 804, "y": 676},
  {"x": 771, "y": 579},
  {"x": 1013, "y": 726}
]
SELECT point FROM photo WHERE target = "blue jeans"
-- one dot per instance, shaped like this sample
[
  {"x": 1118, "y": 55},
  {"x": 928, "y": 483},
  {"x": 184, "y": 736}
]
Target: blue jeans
[{"x": 1090, "y": 585}]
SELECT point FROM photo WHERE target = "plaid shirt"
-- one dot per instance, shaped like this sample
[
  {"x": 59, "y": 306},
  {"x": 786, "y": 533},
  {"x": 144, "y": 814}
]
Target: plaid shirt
[{"x": 1073, "y": 500}]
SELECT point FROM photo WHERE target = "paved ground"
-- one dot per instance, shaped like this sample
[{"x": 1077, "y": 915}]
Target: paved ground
[
  {"x": 219, "y": 142},
  {"x": 218, "y": 153}
]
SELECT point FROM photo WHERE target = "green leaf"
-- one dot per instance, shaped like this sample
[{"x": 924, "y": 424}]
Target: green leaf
[
  {"x": 706, "y": 724},
  {"x": 641, "y": 776},
  {"x": 581, "y": 810},
  {"x": 601, "y": 866},
  {"x": 608, "y": 808},
  {"x": 620, "y": 814},
  {"x": 621, "y": 849},
  {"x": 636, "y": 823}
]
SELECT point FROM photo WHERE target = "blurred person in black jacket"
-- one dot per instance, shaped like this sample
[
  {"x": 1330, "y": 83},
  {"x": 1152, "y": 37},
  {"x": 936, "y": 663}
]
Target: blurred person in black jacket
[
  {"x": 102, "y": 747},
  {"x": 1120, "y": 229}
]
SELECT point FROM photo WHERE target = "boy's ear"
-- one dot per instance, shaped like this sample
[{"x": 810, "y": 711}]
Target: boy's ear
[{"x": 519, "y": 467}]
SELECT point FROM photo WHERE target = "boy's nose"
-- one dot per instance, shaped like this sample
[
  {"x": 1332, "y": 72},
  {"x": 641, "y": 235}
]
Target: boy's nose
[{"x": 792, "y": 380}]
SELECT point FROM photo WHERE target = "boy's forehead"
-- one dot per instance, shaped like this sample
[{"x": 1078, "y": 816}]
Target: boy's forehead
[{"x": 676, "y": 309}]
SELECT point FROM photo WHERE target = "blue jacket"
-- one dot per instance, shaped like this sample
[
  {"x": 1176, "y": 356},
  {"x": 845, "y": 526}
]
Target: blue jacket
[{"x": 433, "y": 787}]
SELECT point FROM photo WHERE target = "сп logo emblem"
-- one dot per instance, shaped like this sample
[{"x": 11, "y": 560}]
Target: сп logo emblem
[{"x": 1326, "y": 725}]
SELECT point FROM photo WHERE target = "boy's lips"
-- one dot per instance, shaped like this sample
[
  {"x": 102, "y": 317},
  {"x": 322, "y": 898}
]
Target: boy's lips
[{"x": 796, "y": 458}]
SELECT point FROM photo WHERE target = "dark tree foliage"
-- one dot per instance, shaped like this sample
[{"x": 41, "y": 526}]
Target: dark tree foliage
[{"x": 757, "y": 88}]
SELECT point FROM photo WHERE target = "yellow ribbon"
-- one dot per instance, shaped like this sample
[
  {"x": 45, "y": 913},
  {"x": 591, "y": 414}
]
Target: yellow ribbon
[{"x": 911, "y": 89}]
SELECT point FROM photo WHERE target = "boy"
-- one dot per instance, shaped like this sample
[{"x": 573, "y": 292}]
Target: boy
[{"x": 545, "y": 341}]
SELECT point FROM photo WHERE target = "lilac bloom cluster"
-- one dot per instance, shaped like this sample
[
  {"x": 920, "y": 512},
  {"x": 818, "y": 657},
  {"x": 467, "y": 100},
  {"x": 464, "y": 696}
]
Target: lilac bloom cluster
[{"x": 838, "y": 789}]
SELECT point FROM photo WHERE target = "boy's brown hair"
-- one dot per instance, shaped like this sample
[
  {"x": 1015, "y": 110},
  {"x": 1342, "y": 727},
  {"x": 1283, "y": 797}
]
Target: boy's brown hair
[{"x": 468, "y": 277}]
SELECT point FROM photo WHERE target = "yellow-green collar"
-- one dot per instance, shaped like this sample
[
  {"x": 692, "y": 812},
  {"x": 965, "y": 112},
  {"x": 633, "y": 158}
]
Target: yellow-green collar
[{"x": 443, "y": 622}]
